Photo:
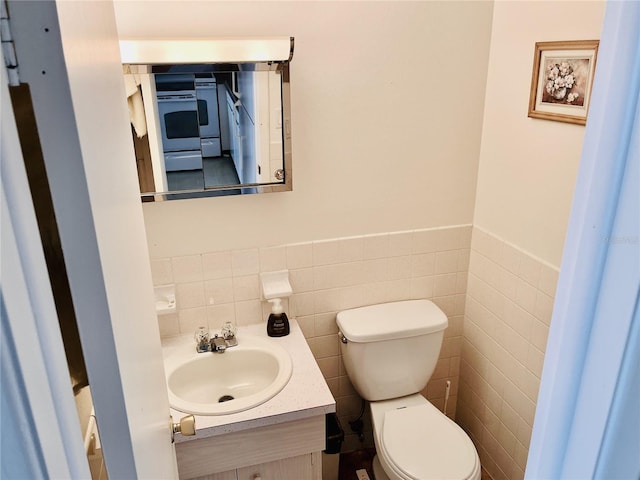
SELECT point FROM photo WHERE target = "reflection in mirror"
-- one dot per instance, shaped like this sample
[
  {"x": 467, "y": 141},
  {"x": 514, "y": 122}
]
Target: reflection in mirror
[{"x": 205, "y": 130}]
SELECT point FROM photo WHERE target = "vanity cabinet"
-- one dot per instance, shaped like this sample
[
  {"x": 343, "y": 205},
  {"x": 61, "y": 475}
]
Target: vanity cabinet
[
  {"x": 284, "y": 451},
  {"x": 306, "y": 467}
]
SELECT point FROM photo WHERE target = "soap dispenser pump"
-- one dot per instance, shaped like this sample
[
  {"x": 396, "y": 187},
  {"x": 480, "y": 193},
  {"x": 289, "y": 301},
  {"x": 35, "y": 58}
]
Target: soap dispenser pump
[{"x": 278, "y": 323}]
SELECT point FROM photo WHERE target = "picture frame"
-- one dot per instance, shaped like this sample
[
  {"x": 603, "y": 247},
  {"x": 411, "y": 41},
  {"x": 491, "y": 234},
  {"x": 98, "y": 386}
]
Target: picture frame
[{"x": 562, "y": 79}]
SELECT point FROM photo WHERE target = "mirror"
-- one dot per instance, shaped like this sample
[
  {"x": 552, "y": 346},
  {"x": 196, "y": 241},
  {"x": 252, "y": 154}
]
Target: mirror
[{"x": 210, "y": 129}]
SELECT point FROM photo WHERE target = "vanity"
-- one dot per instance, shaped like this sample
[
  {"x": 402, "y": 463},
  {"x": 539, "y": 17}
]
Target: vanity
[{"x": 281, "y": 438}]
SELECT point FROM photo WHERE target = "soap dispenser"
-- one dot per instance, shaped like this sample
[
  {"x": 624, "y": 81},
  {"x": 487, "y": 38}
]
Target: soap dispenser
[{"x": 278, "y": 323}]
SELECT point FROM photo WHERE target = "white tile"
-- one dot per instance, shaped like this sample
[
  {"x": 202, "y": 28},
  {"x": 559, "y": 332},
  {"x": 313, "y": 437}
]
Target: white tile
[
  {"x": 246, "y": 288},
  {"x": 307, "y": 325},
  {"x": 444, "y": 284},
  {"x": 301, "y": 280},
  {"x": 447, "y": 262},
  {"x": 299, "y": 255},
  {"x": 548, "y": 280},
  {"x": 516, "y": 345},
  {"x": 326, "y": 252},
  {"x": 352, "y": 297},
  {"x": 245, "y": 262},
  {"x": 191, "y": 318},
  {"x": 218, "y": 291},
  {"x": 448, "y": 238},
  {"x": 543, "y": 308},
  {"x": 248, "y": 312},
  {"x": 327, "y": 276},
  {"x": 161, "y": 271},
  {"x": 325, "y": 324},
  {"x": 168, "y": 325},
  {"x": 461, "y": 282},
  {"x": 460, "y": 304},
  {"x": 422, "y": 287},
  {"x": 190, "y": 295},
  {"x": 535, "y": 361},
  {"x": 424, "y": 241},
  {"x": 465, "y": 237},
  {"x": 375, "y": 270},
  {"x": 352, "y": 273},
  {"x": 302, "y": 304},
  {"x": 508, "y": 284},
  {"x": 273, "y": 259},
  {"x": 529, "y": 270},
  {"x": 400, "y": 243},
  {"x": 423, "y": 264},
  {"x": 350, "y": 249},
  {"x": 463, "y": 259},
  {"x": 446, "y": 304},
  {"x": 539, "y": 335},
  {"x": 526, "y": 296},
  {"x": 326, "y": 301},
  {"x": 187, "y": 268},
  {"x": 511, "y": 257},
  {"x": 524, "y": 433},
  {"x": 376, "y": 246},
  {"x": 518, "y": 319},
  {"x": 490, "y": 246},
  {"x": 217, "y": 315},
  {"x": 217, "y": 265},
  {"x": 324, "y": 346},
  {"x": 399, "y": 267}
]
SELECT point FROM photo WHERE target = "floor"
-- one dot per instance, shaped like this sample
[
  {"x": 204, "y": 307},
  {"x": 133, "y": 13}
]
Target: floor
[
  {"x": 350, "y": 462},
  {"x": 216, "y": 171}
]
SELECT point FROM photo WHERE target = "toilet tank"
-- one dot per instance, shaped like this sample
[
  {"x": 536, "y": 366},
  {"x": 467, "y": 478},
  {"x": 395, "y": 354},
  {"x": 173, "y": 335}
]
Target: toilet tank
[{"x": 390, "y": 350}]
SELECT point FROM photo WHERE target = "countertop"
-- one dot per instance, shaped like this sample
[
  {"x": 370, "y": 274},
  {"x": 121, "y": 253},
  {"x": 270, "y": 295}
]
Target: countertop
[{"x": 306, "y": 394}]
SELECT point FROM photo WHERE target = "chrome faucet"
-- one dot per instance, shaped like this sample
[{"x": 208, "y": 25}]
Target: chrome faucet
[{"x": 218, "y": 343}]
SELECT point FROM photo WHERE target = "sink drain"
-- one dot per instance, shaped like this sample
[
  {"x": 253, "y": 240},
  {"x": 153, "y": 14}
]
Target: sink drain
[{"x": 225, "y": 398}]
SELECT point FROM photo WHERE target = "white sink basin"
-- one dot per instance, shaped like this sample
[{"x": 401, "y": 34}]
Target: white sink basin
[{"x": 222, "y": 383}]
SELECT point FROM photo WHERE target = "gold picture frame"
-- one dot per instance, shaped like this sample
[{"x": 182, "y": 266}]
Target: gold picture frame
[{"x": 562, "y": 79}]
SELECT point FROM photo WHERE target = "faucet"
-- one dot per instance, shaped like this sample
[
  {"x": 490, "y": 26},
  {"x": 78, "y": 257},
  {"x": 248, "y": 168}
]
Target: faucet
[{"x": 218, "y": 343}]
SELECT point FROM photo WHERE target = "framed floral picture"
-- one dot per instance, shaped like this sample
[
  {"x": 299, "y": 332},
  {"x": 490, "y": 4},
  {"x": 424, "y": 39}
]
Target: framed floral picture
[{"x": 562, "y": 80}]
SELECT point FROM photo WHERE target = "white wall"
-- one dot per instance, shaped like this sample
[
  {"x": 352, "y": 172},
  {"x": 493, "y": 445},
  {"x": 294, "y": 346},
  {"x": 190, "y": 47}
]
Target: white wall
[
  {"x": 528, "y": 166},
  {"x": 387, "y": 102}
]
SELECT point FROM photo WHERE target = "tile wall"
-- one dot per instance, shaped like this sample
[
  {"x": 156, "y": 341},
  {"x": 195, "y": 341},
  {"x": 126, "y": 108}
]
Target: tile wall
[
  {"x": 328, "y": 276},
  {"x": 510, "y": 298}
]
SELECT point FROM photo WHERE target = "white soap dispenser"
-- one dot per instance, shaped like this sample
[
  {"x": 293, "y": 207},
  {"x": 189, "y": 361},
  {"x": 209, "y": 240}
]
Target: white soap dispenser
[{"x": 278, "y": 323}]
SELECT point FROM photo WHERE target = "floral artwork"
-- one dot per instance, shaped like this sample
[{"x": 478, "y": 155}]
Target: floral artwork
[
  {"x": 566, "y": 81},
  {"x": 562, "y": 78}
]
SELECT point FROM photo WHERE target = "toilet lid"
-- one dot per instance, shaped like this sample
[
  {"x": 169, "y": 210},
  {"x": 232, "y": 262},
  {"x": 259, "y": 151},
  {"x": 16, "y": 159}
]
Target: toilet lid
[{"x": 422, "y": 443}]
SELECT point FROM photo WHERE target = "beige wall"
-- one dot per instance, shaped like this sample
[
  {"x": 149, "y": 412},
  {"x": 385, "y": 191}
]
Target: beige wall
[
  {"x": 528, "y": 166},
  {"x": 387, "y": 102},
  {"x": 525, "y": 187}
]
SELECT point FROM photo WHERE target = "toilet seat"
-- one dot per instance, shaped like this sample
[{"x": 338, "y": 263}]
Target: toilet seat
[{"x": 418, "y": 443}]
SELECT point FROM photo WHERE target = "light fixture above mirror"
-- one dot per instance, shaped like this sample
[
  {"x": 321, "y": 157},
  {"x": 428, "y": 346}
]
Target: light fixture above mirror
[{"x": 209, "y": 117}]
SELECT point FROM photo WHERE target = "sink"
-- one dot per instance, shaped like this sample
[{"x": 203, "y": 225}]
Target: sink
[{"x": 222, "y": 383}]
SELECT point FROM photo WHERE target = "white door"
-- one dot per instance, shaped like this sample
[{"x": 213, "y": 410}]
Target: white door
[{"x": 69, "y": 55}]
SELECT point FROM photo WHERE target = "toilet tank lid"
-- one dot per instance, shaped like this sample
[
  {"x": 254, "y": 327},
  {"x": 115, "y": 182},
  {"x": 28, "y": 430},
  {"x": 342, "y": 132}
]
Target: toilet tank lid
[{"x": 388, "y": 321}]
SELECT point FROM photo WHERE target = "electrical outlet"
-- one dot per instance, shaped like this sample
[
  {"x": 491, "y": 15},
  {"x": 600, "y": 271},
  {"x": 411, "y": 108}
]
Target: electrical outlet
[{"x": 362, "y": 474}]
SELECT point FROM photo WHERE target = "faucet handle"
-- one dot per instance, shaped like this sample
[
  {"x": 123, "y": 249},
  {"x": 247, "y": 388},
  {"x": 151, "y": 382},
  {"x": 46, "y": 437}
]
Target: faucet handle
[
  {"x": 228, "y": 330},
  {"x": 202, "y": 337}
]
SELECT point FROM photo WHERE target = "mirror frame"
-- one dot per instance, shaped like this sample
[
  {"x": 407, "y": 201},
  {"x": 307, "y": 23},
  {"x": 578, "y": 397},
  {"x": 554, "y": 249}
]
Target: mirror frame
[{"x": 274, "y": 53}]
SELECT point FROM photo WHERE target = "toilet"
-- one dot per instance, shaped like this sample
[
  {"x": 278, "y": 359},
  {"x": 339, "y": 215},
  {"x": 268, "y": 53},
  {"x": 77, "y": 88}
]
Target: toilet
[{"x": 390, "y": 351}]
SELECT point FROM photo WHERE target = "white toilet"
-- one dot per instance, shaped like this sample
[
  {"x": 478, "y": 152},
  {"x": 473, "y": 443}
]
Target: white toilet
[{"x": 390, "y": 351}]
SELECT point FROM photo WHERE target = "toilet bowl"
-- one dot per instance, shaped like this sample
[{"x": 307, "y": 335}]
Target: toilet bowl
[
  {"x": 389, "y": 352},
  {"x": 415, "y": 441}
]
